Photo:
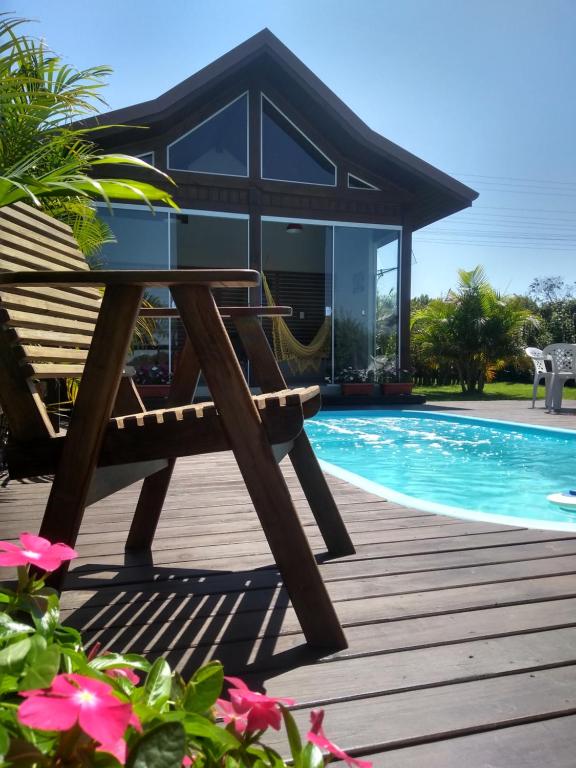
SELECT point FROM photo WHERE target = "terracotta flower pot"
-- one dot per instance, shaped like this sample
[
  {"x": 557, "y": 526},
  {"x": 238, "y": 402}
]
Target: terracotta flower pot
[
  {"x": 357, "y": 389},
  {"x": 153, "y": 390},
  {"x": 397, "y": 388}
]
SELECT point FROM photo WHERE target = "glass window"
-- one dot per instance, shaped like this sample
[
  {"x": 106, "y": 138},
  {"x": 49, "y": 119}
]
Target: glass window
[
  {"x": 142, "y": 243},
  {"x": 297, "y": 265},
  {"x": 210, "y": 242},
  {"x": 148, "y": 157},
  {"x": 218, "y": 145},
  {"x": 354, "y": 182},
  {"x": 365, "y": 298},
  {"x": 288, "y": 155}
]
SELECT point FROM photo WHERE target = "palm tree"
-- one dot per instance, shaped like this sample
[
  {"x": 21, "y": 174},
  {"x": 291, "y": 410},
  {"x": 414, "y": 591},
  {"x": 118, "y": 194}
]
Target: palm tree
[
  {"x": 46, "y": 157},
  {"x": 474, "y": 329}
]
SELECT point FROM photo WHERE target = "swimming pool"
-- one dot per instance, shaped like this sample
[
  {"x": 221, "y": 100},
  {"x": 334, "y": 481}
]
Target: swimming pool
[{"x": 471, "y": 468}]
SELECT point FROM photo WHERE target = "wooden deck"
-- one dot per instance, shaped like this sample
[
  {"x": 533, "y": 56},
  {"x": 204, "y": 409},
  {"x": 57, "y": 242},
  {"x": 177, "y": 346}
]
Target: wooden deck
[{"x": 462, "y": 635}]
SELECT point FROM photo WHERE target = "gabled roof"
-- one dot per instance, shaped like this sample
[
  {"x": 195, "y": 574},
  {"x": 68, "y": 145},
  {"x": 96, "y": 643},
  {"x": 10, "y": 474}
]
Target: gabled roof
[{"x": 436, "y": 194}]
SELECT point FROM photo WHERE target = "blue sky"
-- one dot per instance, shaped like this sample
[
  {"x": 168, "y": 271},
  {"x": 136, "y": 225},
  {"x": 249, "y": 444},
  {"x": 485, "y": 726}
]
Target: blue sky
[{"x": 483, "y": 90}]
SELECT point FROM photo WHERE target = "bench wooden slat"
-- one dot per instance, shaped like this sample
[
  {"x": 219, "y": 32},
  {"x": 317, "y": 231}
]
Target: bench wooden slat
[
  {"x": 37, "y": 354},
  {"x": 58, "y": 295},
  {"x": 15, "y": 256},
  {"x": 21, "y": 241},
  {"x": 22, "y": 319},
  {"x": 19, "y": 302},
  {"x": 40, "y": 222},
  {"x": 32, "y": 336},
  {"x": 52, "y": 370}
]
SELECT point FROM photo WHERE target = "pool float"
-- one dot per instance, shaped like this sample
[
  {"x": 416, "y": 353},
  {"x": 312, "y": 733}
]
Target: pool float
[{"x": 566, "y": 500}]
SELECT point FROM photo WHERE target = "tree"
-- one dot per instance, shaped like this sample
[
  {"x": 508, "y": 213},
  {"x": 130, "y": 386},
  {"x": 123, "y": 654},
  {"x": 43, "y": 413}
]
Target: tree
[
  {"x": 46, "y": 157},
  {"x": 474, "y": 329},
  {"x": 544, "y": 290}
]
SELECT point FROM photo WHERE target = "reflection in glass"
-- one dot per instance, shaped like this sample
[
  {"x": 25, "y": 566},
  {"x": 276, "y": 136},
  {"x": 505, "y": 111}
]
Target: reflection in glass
[
  {"x": 354, "y": 182},
  {"x": 142, "y": 243},
  {"x": 365, "y": 298},
  {"x": 287, "y": 155},
  {"x": 210, "y": 242},
  {"x": 218, "y": 145}
]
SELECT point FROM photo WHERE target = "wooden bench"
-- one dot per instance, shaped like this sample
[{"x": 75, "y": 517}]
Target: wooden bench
[{"x": 55, "y": 323}]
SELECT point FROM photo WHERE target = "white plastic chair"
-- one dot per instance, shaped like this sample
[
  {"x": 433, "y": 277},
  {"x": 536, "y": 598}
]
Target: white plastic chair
[
  {"x": 563, "y": 359},
  {"x": 540, "y": 372}
]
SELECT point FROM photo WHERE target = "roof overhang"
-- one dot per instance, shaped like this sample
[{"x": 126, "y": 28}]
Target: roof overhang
[{"x": 435, "y": 194}]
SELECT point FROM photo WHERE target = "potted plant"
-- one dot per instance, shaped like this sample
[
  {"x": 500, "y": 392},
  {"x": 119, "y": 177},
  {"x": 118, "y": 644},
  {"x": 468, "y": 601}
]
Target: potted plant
[
  {"x": 355, "y": 381},
  {"x": 396, "y": 382}
]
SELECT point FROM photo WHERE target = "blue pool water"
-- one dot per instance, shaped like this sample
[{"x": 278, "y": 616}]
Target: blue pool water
[{"x": 472, "y": 468}]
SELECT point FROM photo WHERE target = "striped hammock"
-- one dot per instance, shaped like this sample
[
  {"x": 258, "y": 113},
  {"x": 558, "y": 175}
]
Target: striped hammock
[{"x": 299, "y": 357}]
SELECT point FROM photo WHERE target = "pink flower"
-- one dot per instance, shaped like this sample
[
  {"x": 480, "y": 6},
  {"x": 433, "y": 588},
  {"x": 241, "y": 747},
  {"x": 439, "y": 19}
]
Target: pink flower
[
  {"x": 248, "y": 710},
  {"x": 36, "y": 551},
  {"x": 317, "y": 736},
  {"x": 83, "y": 700},
  {"x": 124, "y": 672}
]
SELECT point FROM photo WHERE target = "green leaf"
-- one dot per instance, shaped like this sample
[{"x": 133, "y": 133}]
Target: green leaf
[
  {"x": 8, "y": 684},
  {"x": 162, "y": 747},
  {"x": 43, "y": 671},
  {"x": 4, "y": 742},
  {"x": 158, "y": 684},
  {"x": 204, "y": 688},
  {"x": 12, "y": 657},
  {"x": 311, "y": 757},
  {"x": 112, "y": 660},
  {"x": 10, "y": 627},
  {"x": 293, "y": 733},
  {"x": 266, "y": 756},
  {"x": 200, "y": 727}
]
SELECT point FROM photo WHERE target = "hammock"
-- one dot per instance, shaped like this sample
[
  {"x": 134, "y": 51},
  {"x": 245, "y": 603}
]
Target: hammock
[{"x": 300, "y": 357}]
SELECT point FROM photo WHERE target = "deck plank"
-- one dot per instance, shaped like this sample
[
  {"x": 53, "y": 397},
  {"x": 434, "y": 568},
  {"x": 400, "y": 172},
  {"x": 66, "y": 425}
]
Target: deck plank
[{"x": 462, "y": 634}]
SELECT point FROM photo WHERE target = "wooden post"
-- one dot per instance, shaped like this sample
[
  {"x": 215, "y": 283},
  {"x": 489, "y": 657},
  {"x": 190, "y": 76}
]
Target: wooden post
[
  {"x": 92, "y": 412},
  {"x": 256, "y": 461}
]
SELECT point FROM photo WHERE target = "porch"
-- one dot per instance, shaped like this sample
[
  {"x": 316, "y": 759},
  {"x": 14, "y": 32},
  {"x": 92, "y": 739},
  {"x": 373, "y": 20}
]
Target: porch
[{"x": 462, "y": 634}]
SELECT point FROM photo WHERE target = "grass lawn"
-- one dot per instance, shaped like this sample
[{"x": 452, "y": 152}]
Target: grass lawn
[{"x": 501, "y": 390}]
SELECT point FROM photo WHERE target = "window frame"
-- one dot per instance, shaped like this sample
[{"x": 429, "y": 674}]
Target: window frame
[
  {"x": 245, "y": 94},
  {"x": 308, "y": 139}
]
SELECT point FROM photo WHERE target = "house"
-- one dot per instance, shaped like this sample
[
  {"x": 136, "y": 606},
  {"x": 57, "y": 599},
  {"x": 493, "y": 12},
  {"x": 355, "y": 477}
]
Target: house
[{"x": 276, "y": 173}]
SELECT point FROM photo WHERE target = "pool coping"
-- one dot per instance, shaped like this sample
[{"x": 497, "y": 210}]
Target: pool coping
[{"x": 370, "y": 486}]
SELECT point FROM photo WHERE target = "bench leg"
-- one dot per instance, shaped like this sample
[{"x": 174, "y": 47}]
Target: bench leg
[
  {"x": 269, "y": 378},
  {"x": 90, "y": 417},
  {"x": 261, "y": 473},
  {"x": 155, "y": 487}
]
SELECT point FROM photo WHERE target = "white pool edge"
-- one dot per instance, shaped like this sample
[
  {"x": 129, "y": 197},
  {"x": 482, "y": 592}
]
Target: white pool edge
[{"x": 440, "y": 509}]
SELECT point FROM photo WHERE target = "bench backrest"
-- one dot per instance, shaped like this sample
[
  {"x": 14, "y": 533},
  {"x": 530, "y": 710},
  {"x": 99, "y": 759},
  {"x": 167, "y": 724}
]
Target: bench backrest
[{"x": 44, "y": 332}]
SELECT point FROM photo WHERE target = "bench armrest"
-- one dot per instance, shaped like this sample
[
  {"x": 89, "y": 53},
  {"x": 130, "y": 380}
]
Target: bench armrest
[
  {"x": 213, "y": 278},
  {"x": 163, "y": 312}
]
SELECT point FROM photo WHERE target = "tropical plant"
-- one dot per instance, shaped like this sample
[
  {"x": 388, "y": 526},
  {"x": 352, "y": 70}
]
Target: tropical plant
[
  {"x": 474, "y": 329},
  {"x": 61, "y": 706},
  {"x": 45, "y": 153}
]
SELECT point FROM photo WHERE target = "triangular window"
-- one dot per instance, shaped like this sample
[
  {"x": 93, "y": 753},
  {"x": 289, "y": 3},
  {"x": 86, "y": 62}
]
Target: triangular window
[
  {"x": 218, "y": 145},
  {"x": 148, "y": 157},
  {"x": 288, "y": 155},
  {"x": 355, "y": 182}
]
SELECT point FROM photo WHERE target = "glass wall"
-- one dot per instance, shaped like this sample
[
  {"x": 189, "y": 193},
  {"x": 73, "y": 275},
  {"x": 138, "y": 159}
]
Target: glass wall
[
  {"x": 297, "y": 268},
  {"x": 142, "y": 243},
  {"x": 208, "y": 241},
  {"x": 365, "y": 298},
  {"x": 172, "y": 241},
  {"x": 342, "y": 282}
]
